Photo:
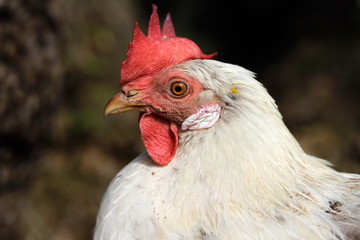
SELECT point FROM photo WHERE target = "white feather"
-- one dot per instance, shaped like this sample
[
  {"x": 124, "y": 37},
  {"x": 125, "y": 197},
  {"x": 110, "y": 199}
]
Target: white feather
[{"x": 244, "y": 178}]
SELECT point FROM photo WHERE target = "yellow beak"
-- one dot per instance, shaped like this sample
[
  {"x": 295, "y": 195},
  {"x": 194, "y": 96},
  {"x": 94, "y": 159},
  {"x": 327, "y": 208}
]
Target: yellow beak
[{"x": 120, "y": 103}]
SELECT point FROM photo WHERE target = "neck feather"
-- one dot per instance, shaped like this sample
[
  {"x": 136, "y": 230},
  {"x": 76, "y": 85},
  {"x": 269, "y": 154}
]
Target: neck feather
[{"x": 249, "y": 149}]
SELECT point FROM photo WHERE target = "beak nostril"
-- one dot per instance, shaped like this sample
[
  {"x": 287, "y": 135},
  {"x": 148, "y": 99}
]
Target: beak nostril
[
  {"x": 132, "y": 93},
  {"x": 121, "y": 103}
]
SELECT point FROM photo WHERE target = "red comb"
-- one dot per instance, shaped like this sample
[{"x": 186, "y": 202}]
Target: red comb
[{"x": 149, "y": 55}]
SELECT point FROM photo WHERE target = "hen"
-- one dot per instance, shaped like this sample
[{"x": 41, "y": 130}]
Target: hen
[{"x": 220, "y": 163}]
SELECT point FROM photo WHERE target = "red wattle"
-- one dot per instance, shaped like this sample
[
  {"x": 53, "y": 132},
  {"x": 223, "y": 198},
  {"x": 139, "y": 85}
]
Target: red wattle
[{"x": 160, "y": 137}]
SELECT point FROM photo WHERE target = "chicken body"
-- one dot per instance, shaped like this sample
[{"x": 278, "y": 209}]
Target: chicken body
[{"x": 244, "y": 178}]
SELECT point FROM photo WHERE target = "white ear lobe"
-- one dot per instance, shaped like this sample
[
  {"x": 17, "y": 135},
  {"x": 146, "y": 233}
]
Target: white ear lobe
[
  {"x": 204, "y": 118},
  {"x": 206, "y": 96}
]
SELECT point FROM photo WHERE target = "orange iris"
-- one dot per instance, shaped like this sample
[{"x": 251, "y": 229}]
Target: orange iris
[{"x": 178, "y": 88}]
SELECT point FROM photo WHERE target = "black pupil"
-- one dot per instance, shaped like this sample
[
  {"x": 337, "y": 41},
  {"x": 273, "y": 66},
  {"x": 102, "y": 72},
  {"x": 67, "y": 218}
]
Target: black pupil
[{"x": 178, "y": 89}]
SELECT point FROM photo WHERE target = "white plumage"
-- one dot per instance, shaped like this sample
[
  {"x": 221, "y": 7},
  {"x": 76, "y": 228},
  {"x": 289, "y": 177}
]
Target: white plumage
[{"x": 244, "y": 178}]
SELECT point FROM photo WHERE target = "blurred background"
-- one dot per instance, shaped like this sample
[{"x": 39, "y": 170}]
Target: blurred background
[{"x": 60, "y": 64}]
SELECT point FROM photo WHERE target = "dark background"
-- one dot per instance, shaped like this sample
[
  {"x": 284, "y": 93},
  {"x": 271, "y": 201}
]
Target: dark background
[{"x": 60, "y": 63}]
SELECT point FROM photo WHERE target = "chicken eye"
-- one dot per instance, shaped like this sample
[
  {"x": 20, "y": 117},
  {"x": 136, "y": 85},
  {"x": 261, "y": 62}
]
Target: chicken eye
[{"x": 178, "y": 88}]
